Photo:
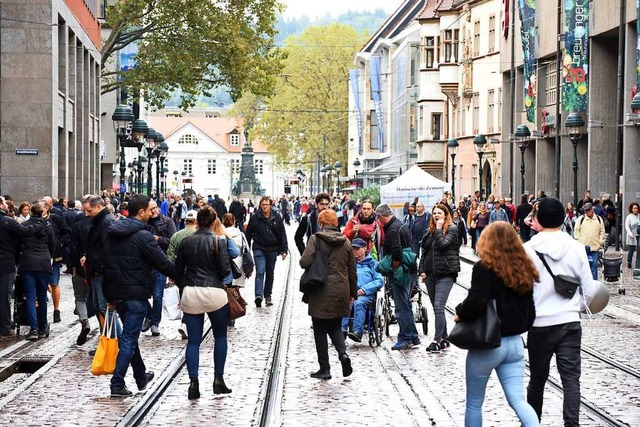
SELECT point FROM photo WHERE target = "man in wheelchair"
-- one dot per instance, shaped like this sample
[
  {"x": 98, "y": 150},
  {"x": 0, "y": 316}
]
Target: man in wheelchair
[{"x": 369, "y": 282}]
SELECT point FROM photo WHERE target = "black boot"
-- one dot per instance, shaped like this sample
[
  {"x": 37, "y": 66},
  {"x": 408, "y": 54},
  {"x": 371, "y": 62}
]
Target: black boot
[
  {"x": 219, "y": 387},
  {"x": 194, "y": 389}
]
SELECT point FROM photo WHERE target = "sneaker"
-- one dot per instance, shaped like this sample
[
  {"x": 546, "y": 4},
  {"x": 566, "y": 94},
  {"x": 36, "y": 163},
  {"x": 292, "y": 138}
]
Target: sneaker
[
  {"x": 434, "y": 347},
  {"x": 82, "y": 338},
  {"x": 32, "y": 336},
  {"x": 56, "y": 316},
  {"x": 147, "y": 379},
  {"x": 268, "y": 302},
  {"x": 45, "y": 333},
  {"x": 183, "y": 332},
  {"x": 444, "y": 343},
  {"x": 355, "y": 336},
  {"x": 145, "y": 325},
  {"x": 416, "y": 341},
  {"x": 258, "y": 301},
  {"x": 155, "y": 331},
  {"x": 402, "y": 345},
  {"x": 91, "y": 353},
  {"x": 321, "y": 375},
  {"x": 120, "y": 392}
]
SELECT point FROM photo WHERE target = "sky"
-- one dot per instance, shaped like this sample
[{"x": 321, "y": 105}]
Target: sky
[{"x": 314, "y": 8}]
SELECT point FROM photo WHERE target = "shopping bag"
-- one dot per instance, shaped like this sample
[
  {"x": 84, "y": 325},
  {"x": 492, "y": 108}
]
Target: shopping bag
[
  {"x": 171, "y": 303},
  {"x": 104, "y": 361}
]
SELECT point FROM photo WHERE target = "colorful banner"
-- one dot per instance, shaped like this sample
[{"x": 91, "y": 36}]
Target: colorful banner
[
  {"x": 354, "y": 76},
  {"x": 527, "y": 12},
  {"x": 575, "y": 83},
  {"x": 376, "y": 95}
]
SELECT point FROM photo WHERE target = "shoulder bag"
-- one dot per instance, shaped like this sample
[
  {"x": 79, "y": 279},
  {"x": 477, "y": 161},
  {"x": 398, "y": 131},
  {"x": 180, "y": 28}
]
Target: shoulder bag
[
  {"x": 247, "y": 259},
  {"x": 314, "y": 276},
  {"x": 565, "y": 285},
  {"x": 483, "y": 333},
  {"x": 237, "y": 304},
  {"x": 104, "y": 361}
]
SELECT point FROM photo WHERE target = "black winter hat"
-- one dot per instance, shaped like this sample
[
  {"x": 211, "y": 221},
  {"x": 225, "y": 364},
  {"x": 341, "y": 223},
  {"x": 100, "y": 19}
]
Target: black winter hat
[{"x": 550, "y": 212}]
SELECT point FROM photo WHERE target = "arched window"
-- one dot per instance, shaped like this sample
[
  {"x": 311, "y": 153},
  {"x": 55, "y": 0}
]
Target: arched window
[{"x": 188, "y": 139}]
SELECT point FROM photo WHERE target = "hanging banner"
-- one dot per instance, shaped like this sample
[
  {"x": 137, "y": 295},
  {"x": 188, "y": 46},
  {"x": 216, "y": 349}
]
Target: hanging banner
[
  {"x": 575, "y": 93},
  {"x": 527, "y": 12},
  {"x": 354, "y": 75},
  {"x": 376, "y": 95}
]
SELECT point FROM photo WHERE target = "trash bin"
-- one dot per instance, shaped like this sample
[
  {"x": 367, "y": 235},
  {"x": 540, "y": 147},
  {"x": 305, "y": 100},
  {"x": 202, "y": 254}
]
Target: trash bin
[{"x": 611, "y": 267}]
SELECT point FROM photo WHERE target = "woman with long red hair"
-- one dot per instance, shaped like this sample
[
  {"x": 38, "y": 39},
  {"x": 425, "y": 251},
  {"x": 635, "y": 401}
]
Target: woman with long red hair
[
  {"x": 504, "y": 273},
  {"x": 439, "y": 267}
]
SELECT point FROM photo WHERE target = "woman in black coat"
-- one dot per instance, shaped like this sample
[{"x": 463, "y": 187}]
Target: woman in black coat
[
  {"x": 439, "y": 267},
  {"x": 35, "y": 271}
]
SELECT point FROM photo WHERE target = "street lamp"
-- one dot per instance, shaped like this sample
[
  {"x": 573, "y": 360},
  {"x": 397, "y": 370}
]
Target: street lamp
[
  {"x": 337, "y": 166},
  {"x": 160, "y": 155},
  {"x": 453, "y": 145},
  {"x": 329, "y": 170},
  {"x": 575, "y": 125},
  {"x": 122, "y": 119},
  {"x": 356, "y": 165},
  {"x": 478, "y": 143},
  {"x": 323, "y": 171},
  {"x": 152, "y": 137},
  {"x": 523, "y": 137},
  {"x": 142, "y": 160}
]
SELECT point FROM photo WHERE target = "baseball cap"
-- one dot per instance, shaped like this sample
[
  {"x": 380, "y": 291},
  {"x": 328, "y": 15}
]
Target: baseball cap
[
  {"x": 192, "y": 214},
  {"x": 587, "y": 206},
  {"x": 359, "y": 243}
]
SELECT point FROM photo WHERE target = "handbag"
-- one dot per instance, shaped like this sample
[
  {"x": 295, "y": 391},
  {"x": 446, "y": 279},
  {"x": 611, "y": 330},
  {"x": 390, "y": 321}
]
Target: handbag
[
  {"x": 473, "y": 224},
  {"x": 483, "y": 333},
  {"x": 104, "y": 361},
  {"x": 247, "y": 259},
  {"x": 237, "y": 304},
  {"x": 235, "y": 270},
  {"x": 171, "y": 303},
  {"x": 314, "y": 276},
  {"x": 565, "y": 285}
]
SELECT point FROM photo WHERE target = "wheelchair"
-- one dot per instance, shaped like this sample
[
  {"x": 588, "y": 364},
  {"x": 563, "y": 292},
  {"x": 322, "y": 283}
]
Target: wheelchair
[
  {"x": 417, "y": 307},
  {"x": 374, "y": 321}
]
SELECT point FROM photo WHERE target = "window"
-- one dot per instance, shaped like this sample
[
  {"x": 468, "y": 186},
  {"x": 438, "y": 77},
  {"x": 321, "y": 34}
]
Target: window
[
  {"x": 259, "y": 166},
  {"x": 476, "y": 38},
  {"x": 412, "y": 123},
  {"x": 492, "y": 33},
  {"x": 491, "y": 110},
  {"x": 430, "y": 52},
  {"x": 476, "y": 112},
  {"x": 211, "y": 166},
  {"x": 234, "y": 139},
  {"x": 173, "y": 114},
  {"x": 188, "y": 139},
  {"x": 436, "y": 126},
  {"x": 551, "y": 84},
  {"x": 499, "y": 109},
  {"x": 236, "y": 165},
  {"x": 454, "y": 121},
  {"x": 187, "y": 166},
  {"x": 420, "y": 121},
  {"x": 415, "y": 61},
  {"x": 450, "y": 45},
  {"x": 373, "y": 130}
]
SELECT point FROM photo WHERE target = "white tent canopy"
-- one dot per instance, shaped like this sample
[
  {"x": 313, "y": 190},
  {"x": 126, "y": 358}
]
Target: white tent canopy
[{"x": 413, "y": 183}]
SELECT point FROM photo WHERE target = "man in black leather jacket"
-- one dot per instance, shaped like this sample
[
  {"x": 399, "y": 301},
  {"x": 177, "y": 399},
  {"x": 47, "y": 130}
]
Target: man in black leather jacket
[{"x": 130, "y": 254}]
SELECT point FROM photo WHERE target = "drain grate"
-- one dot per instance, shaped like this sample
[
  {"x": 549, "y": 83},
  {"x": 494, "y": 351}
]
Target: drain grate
[{"x": 24, "y": 365}]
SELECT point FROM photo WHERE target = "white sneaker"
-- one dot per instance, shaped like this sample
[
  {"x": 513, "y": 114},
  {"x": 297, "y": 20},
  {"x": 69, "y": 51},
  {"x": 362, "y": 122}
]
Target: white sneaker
[{"x": 183, "y": 332}]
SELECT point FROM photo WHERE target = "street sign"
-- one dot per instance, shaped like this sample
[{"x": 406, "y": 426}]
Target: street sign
[{"x": 26, "y": 152}]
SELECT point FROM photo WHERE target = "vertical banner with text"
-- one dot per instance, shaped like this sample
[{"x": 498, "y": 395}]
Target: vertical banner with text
[
  {"x": 575, "y": 74},
  {"x": 354, "y": 76},
  {"x": 527, "y": 12}
]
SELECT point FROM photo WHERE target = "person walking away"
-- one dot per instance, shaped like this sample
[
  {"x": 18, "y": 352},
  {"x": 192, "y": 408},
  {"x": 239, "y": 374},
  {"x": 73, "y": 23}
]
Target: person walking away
[
  {"x": 237, "y": 237},
  {"x": 81, "y": 292},
  {"x": 420, "y": 225},
  {"x": 396, "y": 238},
  {"x": 266, "y": 231},
  {"x": 131, "y": 251},
  {"x": 172, "y": 251},
  {"x": 556, "y": 328},
  {"x": 202, "y": 263},
  {"x": 504, "y": 273},
  {"x": 162, "y": 228},
  {"x": 498, "y": 213},
  {"x": 589, "y": 230},
  {"x": 631, "y": 227},
  {"x": 439, "y": 267},
  {"x": 369, "y": 283},
  {"x": 61, "y": 235},
  {"x": 523, "y": 210},
  {"x": 308, "y": 224},
  {"x": 36, "y": 252},
  {"x": 330, "y": 303},
  {"x": 365, "y": 226},
  {"x": 239, "y": 213},
  {"x": 11, "y": 231}
]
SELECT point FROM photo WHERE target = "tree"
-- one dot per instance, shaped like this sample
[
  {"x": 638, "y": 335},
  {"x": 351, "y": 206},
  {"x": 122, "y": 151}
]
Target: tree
[
  {"x": 307, "y": 118},
  {"x": 195, "y": 46}
]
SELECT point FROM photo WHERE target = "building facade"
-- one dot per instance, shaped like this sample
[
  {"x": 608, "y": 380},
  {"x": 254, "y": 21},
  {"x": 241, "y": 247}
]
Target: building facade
[{"x": 49, "y": 98}]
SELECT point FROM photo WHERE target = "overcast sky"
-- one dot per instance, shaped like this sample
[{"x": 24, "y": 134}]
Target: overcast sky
[{"x": 313, "y": 8}]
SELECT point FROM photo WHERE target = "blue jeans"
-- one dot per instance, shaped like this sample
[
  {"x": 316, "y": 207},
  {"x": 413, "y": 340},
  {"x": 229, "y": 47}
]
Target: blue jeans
[
  {"x": 404, "y": 315},
  {"x": 359, "y": 312},
  {"x": 265, "y": 264},
  {"x": 508, "y": 361},
  {"x": 478, "y": 233},
  {"x": 439, "y": 289},
  {"x": 195, "y": 322},
  {"x": 154, "y": 313},
  {"x": 593, "y": 263},
  {"x": 35, "y": 287},
  {"x": 132, "y": 312},
  {"x": 564, "y": 341},
  {"x": 631, "y": 249}
]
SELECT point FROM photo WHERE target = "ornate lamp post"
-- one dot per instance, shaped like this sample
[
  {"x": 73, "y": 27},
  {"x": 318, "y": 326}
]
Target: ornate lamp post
[
  {"x": 575, "y": 125},
  {"x": 323, "y": 171},
  {"x": 142, "y": 160},
  {"x": 152, "y": 136},
  {"x": 329, "y": 169},
  {"x": 337, "y": 166},
  {"x": 122, "y": 120},
  {"x": 523, "y": 137},
  {"x": 160, "y": 154},
  {"x": 453, "y": 145},
  {"x": 478, "y": 143},
  {"x": 356, "y": 165}
]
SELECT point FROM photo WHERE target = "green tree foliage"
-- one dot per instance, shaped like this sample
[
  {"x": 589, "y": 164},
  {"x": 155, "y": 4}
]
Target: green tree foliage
[
  {"x": 369, "y": 193},
  {"x": 195, "y": 46},
  {"x": 307, "y": 118}
]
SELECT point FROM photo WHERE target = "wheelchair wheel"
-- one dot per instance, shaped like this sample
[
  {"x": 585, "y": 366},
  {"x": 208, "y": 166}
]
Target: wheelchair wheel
[
  {"x": 372, "y": 338},
  {"x": 378, "y": 330},
  {"x": 425, "y": 321},
  {"x": 387, "y": 318}
]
